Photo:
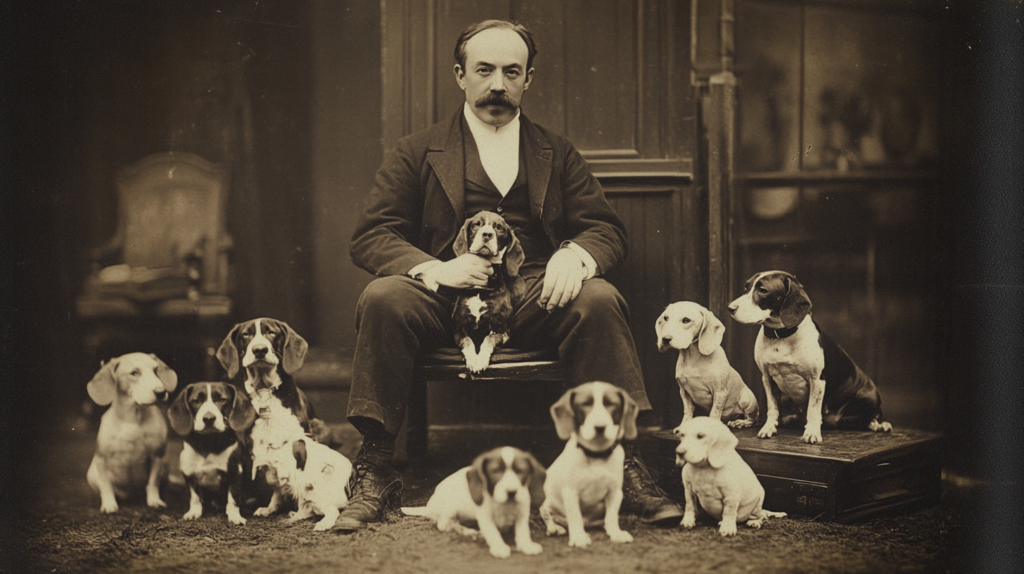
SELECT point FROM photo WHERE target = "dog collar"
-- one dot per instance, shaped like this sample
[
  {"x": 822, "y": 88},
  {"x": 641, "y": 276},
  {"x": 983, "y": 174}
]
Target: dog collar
[
  {"x": 598, "y": 453},
  {"x": 779, "y": 333}
]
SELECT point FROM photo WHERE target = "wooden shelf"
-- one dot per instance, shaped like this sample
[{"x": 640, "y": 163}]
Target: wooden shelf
[{"x": 830, "y": 177}]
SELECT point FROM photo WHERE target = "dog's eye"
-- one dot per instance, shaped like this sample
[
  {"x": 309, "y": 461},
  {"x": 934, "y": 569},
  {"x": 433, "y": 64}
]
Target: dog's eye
[
  {"x": 665, "y": 318},
  {"x": 136, "y": 372},
  {"x": 686, "y": 320},
  {"x": 700, "y": 435}
]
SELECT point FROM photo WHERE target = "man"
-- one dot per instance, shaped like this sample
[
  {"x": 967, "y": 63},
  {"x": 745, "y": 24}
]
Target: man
[{"x": 488, "y": 157}]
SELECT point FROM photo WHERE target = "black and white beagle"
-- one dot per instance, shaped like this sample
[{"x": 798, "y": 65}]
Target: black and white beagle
[
  {"x": 210, "y": 416},
  {"x": 584, "y": 484},
  {"x": 131, "y": 445},
  {"x": 496, "y": 492},
  {"x": 803, "y": 370},
  {"x": 483, "y": 317},
  {"x": 268, "y": 351}
]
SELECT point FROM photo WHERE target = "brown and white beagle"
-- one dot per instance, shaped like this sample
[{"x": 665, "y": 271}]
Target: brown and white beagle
[
  {"x": 705, "y": 377},
  {"x": 131, "y": 446},
  {"x": 483, "y": 317},
  {"x": 716, "y": 479},
  {"x": 210, "y": 415},
  {"x": 496, "y": 492},
  {"x": 267, "y": 351},
  {"x": 584, "y": 484},
  {"x": 315, "y": 475},
  {"x": 803, "y": 370}
]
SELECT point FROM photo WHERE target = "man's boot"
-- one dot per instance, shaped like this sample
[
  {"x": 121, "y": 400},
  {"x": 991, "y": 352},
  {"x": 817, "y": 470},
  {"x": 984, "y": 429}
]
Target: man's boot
[
  {"x": 642, "y": 497},
  {"x": 374, "y": 488}
]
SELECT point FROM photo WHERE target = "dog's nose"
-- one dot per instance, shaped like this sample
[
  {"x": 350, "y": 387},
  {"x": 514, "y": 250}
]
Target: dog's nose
[
  {"x": 260, "y": 352},
  {"x": 161, "y": 395},
  {"x": 512, "y": 495},
  {"x": 208, "y": 420},
  {"x": 487, "y": 235},
  {"x": 732, "y": 308},
  {"x": 676, "y": 432},
  {"x": 599, "y": 431}
]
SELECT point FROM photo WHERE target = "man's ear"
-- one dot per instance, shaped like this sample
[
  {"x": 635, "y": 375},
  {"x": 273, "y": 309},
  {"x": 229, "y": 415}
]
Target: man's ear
[
  {"x": 529, "y": 78},
  {"x": 460, "y": 76},
  {"x": 461, "y": 246}
]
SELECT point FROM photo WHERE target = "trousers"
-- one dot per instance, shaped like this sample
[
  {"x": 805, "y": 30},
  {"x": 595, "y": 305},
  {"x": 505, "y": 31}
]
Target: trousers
[{"x": 398, "y": 317}]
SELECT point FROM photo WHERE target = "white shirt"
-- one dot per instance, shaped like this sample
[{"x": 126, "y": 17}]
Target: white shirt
[{"x": 499, "y": 148}]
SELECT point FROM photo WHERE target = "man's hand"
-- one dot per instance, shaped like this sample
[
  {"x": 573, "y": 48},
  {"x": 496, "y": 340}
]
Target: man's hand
[
  {"x": 563, "y": 280},
  {"x": 463, "y": 272}
]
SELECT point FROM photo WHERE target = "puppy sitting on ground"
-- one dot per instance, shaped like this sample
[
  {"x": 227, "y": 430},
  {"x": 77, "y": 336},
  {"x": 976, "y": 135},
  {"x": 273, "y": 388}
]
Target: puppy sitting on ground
[
  {"x": 703, "y": 372},
  {"x": 717, "y": 479},
  {"x": 315, "y": 475},
  {"x": 584, "y": 484},
  {"x": 483, "y": 316},
  {"x": 210, "y": 416},
  {"x": 131, "y": 445},
  {"x": 496, "y": 492}
]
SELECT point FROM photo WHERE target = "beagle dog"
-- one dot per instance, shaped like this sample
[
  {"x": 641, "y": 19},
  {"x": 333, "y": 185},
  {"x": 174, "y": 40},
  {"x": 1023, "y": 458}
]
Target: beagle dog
[
  {"x": 483, "y": 316},
  {"x": 315, "y": 475},
  {"x": 802, "y": 368},
  {"x": 267, "y": 352},
  {"x": 584, "y": 484},
  {"x": 703, "y": 372},
  {"x": 210, "y": 416},
  {"x": 496, "y": 492},
  {"x": 716, "y": 479},
  {"x": 131, "y": 445}
]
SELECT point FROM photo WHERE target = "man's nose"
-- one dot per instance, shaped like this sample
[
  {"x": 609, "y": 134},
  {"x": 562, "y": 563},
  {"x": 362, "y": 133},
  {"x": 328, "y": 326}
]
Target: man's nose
[{"x": 497, "y": 83}]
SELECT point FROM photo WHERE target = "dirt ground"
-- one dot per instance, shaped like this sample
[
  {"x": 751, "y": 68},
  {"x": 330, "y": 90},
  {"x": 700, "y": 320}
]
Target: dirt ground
[{"x": 59, "y": 529}]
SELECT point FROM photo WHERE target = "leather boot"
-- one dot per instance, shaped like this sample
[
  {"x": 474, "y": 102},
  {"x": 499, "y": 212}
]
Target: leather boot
[
  {"x": 374, "y": 488},
  {"x": 642, "y": 497}
]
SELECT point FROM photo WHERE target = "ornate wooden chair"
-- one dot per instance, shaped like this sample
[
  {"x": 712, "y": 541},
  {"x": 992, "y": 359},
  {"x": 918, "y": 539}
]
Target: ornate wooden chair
[{"x": 164, "y": 279}]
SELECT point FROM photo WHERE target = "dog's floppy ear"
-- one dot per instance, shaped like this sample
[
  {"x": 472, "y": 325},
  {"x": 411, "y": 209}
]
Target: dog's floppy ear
[
  {"x": 179, "y": 415},
  {"x": 477, "y": 481},
  {"x": 724, "y": 443},
  {"x": 711, "y": 333},
  {"x": 242, "y": 413},
  {"x": 514, "y": 256},
  {"x": 563, "y": 415},
  {"x": 461, "y": 246},
  {"x": 166, "y": 374},
  {"x": 629, "y": 412},
  {"x": 103, "y": 386},
  {"x": 538, "y": 475},
  {"x": 227, "y": 354},
  {"x": 295, "y": 348},
  {"x": 796, "y": 305},
  {"x": 299, "y": 452}
]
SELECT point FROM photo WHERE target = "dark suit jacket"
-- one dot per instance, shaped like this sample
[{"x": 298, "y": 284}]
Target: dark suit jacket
[{"x": 417, "y": 203}]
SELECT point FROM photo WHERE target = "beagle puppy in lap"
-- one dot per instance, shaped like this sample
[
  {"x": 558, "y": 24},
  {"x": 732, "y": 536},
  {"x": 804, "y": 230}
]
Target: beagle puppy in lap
[
  {"x": 705, "y": 377},
  {"x": 804, "y": 371},
  {"x": 496, "y": 493},
  {"x": 131, "y": 445},
  {"x": 584, "y": 484},
  {"x": 483, "y": 316},
  {"x": 716, "y": 479},
  {"x": 209, "y": 416}
]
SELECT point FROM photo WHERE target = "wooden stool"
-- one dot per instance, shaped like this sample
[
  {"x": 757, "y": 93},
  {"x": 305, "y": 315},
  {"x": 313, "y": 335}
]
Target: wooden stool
[{"x": 448, "y": 364}]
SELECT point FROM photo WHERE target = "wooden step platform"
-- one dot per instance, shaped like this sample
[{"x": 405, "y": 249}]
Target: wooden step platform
[{"x": 851, "y": 476}]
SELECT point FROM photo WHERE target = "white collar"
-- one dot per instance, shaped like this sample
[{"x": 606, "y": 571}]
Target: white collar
[{"x": 483, "y": 129}]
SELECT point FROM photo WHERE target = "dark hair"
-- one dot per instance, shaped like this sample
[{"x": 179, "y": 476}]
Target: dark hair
[{"x": 474, "y": 29}]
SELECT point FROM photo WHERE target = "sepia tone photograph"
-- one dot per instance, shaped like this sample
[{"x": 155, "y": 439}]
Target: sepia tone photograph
[{"x": 520, "y": 286}]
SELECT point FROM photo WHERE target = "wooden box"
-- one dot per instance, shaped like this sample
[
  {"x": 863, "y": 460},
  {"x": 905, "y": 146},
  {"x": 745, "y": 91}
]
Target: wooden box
[{"x": 852, "y": 475}]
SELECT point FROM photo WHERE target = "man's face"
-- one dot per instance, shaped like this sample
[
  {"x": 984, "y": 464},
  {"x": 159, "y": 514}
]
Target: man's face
[{"x": 495, "y": 76}]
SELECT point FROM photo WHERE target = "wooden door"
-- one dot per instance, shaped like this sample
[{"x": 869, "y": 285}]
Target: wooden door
[{"x": 612, "y": 76}]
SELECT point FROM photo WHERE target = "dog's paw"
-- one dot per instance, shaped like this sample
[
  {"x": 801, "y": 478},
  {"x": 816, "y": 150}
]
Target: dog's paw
[
  {"x": 555, "y": 530},
  {"x": 501, "y": 551},
  {"x": 193, "y": 513},
  {"x": 727, "y": 528},
  {"x": 768, "y": 430},
  {"x": 579, "y": 539},
  {"x": 754, "y": 523},
  {"x": 531, "y": 548},
  {"x": 236, "y": 519},
  {"x": 879, "y": 426},
  {"x": 620, "y": 536},
  {"x": 324, "y": 524},
  {"x": 156, "y": 503},
  {"x": 108, "y": 506},
  {"x": 689, "y": 520},
  {"x": 264, "y": 511},
  {"x": 812, "y": 435},
  {"x": 740, "y": 423}
]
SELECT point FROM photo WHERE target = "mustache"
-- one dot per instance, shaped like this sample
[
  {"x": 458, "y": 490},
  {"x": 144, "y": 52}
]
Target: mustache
[{"x": 496, "y": 99}]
